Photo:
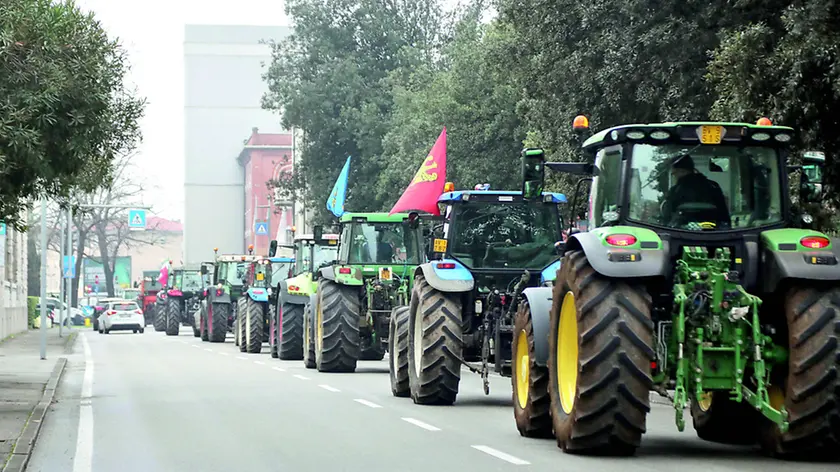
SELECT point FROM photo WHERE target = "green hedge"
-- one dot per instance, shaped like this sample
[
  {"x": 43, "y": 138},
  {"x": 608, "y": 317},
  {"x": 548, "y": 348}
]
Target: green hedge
[{"x": 31, "y": 303}]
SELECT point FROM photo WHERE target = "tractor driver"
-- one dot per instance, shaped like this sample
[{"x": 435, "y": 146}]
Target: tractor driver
[{"x": 692, "y": 187}]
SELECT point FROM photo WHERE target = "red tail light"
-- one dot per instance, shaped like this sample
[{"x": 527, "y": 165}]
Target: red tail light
[
  {"x": 294, "y": 288},
  {"x": 344, "y": 270},
  {"x": 652, "y": 365},
  {"x": 621, "y": 240},
  {"x": 218, "y": 292},
  {"x": 446, "y": 265},
  {"x": 112, "y": 312},
  {"x": 139, "y": 312},
  {"x": 814, "y": 242}
]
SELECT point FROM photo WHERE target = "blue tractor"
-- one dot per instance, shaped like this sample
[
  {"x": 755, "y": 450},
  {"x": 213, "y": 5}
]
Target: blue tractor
[{"x": 493, "y": 258}]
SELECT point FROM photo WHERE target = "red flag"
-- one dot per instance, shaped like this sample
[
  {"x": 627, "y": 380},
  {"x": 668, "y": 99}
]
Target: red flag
[{"x": 427, "y": 185}]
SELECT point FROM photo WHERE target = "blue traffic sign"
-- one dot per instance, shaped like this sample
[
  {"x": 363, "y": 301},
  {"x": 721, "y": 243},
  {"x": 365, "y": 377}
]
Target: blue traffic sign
[
  {"x": 137, "y": 219},
  {"x": 69, "y": 267},
  {"x": 261, "y": 228}
]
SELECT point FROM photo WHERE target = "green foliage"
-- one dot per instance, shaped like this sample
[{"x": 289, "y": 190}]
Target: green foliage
[
  {"x": 64, "y": 114},
  {"x": 31, "y": 310}
]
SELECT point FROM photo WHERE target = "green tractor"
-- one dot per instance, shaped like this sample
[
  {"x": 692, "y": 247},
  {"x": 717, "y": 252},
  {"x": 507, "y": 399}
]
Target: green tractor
[
  {"x": 183, "y": 288},
  {"x": 694, "y": 279},
  {"x": 219, "y": 299},
  {"x": 293, "y": 296},
  {"x": 373, "y": 276}
]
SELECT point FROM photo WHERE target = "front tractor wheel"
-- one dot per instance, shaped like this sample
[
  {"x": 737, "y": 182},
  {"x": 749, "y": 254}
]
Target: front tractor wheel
[
  {"x": 809, "y": 385},
  {"x": 173, "y": 317},
  {"x": 308, "y": 336},
  {"x": 531, "y": 404},
  {"x": 218, "y": 321},
  {"x": 337, "y": 338},
  {"x": 160, "y": 317},
  {"x": 600, "y": 352},
  {"x": 434, "y": 345},
  {"x": 254, "y": 325},
  {"x": 290, "y": 325},
  {"x": 398, "y": 352}
]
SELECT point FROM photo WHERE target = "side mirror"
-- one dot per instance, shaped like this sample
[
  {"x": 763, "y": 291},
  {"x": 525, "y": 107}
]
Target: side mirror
[
  {"x": 203, "y": 270},
  {"x": 533, "y": 173},
  {"x": 272, "y": 248}
]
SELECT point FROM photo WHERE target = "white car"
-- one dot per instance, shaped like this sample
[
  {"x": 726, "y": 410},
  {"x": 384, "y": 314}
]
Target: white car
[{"x": 122, "y": 315}]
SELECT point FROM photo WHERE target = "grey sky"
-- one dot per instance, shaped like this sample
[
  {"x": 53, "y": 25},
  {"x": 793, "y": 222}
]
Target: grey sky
[{"x": 152, "y": 31}]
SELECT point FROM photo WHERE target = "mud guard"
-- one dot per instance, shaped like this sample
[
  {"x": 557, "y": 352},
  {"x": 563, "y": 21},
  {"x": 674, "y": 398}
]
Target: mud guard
[
  {"x": 258, "y": 294},
  {"x": 327, "y": 273},
  {"x": 622, "y": 262},
  {"x": 285, "y": 297},
  {"x": 454, "y": 280},
  {"x": 802, "y": 265},
  {"x": 223, "y": 298},
  {"x": 539, "y": 302}
]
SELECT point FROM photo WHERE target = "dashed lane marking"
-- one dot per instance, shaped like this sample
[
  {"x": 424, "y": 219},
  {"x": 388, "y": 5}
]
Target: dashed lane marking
[
  {"x": 259, "y": 362},
  {"x": 331, "y": 389},
  {"x": 501, "y": 455},
  {"x": 242, "y": 358},
  {"x": 366, "y": 403},
  {"x": 421, "y": 424},
  {"x": 279, "y": 369},
  {"x": 298, "y": 376}
]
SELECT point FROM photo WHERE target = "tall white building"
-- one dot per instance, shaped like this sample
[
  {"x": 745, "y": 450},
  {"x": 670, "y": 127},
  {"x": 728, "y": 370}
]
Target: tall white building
[
  {"x": 13, "y": 267},
  {"x": 223, "y": 89}
]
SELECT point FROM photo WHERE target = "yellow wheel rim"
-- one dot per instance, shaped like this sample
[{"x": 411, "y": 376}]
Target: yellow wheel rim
[
  {"x": 567, "y": 353},
  {"x": 777, "y": 396},
  {"x": 705, "y": 401},
  {"x": 523, "y": 369}
]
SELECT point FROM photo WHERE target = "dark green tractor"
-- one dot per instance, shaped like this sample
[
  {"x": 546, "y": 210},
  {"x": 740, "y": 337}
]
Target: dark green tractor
[
  {"x": 182, "y": 299},
  {"x": 220, "y": 298},
  {"x": 695, "y": 281}
]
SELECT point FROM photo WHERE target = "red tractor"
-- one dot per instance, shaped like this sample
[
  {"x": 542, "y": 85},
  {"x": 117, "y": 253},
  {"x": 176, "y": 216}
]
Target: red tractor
[{"x": 148, "y": 294}]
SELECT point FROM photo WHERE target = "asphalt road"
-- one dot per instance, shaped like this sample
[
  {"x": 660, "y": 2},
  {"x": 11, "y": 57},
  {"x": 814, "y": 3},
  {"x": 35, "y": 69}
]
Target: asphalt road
[{"x": 156, "y": 403}]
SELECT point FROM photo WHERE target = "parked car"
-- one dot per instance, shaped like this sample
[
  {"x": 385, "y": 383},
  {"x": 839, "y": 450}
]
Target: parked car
[{"x": 122, "y": 315}]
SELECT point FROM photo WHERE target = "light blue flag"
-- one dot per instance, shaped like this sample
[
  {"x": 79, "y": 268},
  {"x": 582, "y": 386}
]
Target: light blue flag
[{"x": 335, "y": 203}]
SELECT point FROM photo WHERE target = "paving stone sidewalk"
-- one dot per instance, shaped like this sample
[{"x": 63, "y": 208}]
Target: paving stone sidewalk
[{"x": 27, "y": 385}]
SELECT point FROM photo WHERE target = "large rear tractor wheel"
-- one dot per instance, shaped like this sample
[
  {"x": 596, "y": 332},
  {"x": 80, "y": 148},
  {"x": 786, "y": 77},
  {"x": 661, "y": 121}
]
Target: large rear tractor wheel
[
  {"x": 173, "y": 317},
  {"x": 337, "y": 327},
  {"x": 434, "y": 345},
  {"x": 203, "y": 323},
  {"x": 600, "y": 352},
  {"x": 160, "y": 317},
  {"x": 219, "y": 313},
  {"x": 809, "y": 386},
  {"x": 291, "y": 332},
  {"x": 531, "y": 404},
  {"x": 398, "y": 352},
  {"x": 241, "y": 317},
  {"x": 308, "y": 336},
  {"x": 254, "y": 325},
  {"x": 273, "y": 334}
]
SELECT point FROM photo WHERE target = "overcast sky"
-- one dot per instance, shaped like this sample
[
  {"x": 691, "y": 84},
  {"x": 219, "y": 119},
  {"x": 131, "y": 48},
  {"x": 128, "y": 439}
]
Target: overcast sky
[{"x": 152, "y": 31}]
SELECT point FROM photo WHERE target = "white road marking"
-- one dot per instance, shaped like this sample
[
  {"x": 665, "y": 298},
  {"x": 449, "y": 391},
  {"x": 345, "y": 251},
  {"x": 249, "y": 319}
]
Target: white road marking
[
  {"x": 279, "y": 369},
  {"x": 83, "y": 459},
  {"x": 195, "y": 346},
  {"x": 259, "y": 362},
  {"x": 300, "y": 377},
  {"x": 501, "y": 455},
  {"x": 366, "y": 403},
  {"x": 208, "y": 350},
  {"x": 224, "y": 353},
  {"x": 421, "y": 424},
  {"x": 242, "y": 358},
  {"x": 331, "y": 389}
]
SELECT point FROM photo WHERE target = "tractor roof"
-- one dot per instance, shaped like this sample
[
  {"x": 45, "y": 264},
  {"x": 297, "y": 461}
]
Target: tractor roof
[
  {"x": 686, "y": 131},
  {"x": 237, "y": 258},
  {"x": 281, "y": 259},
  {"x": 374, "y": 217},
  {"x": 496, "y": 195},
  {"x": 311, "y": 237}
]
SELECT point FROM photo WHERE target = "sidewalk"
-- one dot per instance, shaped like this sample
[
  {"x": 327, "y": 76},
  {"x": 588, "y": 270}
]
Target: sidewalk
[{"x": 27, "y": 385}]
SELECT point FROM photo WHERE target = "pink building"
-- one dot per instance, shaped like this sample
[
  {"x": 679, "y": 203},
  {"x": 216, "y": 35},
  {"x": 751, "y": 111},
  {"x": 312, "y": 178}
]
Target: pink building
[{"x": 265, "y": 157}]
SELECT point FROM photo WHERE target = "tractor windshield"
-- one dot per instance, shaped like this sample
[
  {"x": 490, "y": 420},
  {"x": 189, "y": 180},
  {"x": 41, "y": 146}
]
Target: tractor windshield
[
  {"x": 188, "y": 280},
  {"x": 280, "y": 271},
  {"x": 303, "y": 256},
  {"x": 262, "y": 274},
  {"x": 233, "y": 273},
  {"x": 380, "y": 243},
  {"x": 504, "y": 236},
  {"x": 706, "y": 187}
]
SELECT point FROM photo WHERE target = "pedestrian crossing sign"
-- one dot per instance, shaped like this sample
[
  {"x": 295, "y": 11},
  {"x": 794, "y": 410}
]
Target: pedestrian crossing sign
[
  {"x": 137, "y": 219},
  {"x": 261, "y": 228}
]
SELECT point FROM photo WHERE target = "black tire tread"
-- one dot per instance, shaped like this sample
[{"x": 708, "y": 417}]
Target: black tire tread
[
  {"x": 533, "y": 421},
  {"x": 291, "y": 339},
  {"x": 173, "y": 317},
  {"x": 398, "y": 352},
  {"x": 615, "y": 351},
  {"x": 205, "y": 334},
  {"x": 308, "y": 338},
  {"x": 220, "y": 312},
  {"x": 254, "y": 324},
  {"x": 340, "y": 309},
  {"x": 440, "y": 366},
  {"x": 160, "y": 317}
]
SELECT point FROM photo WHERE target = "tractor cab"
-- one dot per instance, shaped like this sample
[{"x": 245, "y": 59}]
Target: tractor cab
[{"x": 230, "y": 271}]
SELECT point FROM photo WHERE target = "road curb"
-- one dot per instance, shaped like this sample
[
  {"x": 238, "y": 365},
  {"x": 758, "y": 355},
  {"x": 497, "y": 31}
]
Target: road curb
[
  {"x": 71, "y": 341},
  {"x": 19, "y": 456}
]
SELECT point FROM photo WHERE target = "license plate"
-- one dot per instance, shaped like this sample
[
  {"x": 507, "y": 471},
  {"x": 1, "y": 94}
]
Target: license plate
[
  {"x": 125, "y": 315},
  {"x": 440, "y": 245},
  {"x": 711, "y": 134}
]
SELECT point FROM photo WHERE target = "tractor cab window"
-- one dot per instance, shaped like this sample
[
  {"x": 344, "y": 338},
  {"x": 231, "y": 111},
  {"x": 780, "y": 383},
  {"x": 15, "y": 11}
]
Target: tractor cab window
[
  {"x": 382, "y": 243},
  {"x": 233, "y": 273},
  {"x": 705, "y": 188},
  {"x": 302, "y": 249},
  {"x": 262, "y": 275},
  {"x": 603, "y": 200},
  {"x": 505, "y": 236},
  {"x": 325, "y": 255},
  {"x": 280, "y": 271},
  {"x": 188, "y": 280}
]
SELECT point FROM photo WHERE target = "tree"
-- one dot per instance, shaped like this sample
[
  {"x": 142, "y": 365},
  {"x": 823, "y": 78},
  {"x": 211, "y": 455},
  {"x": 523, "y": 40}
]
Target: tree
[
  {"x": 65, "y": 114},
  {"x": 332, "y": 79}
]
